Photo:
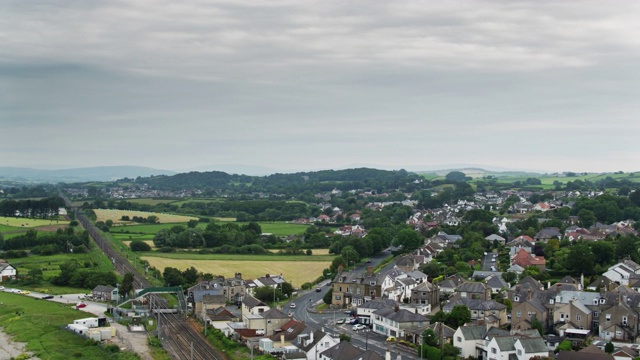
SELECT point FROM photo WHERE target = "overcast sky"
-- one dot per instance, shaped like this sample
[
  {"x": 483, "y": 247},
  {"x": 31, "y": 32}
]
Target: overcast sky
[{"x": 307, "y": 85}]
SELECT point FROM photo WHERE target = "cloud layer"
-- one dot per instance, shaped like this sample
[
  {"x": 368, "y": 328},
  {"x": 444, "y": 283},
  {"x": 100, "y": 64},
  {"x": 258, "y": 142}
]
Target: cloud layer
[{"x": 298, "y": 85}]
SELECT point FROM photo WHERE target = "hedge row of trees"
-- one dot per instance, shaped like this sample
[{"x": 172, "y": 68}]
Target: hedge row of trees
[
  {"x": 66, "y": 240},
  {"x": 41, "y": 209}
]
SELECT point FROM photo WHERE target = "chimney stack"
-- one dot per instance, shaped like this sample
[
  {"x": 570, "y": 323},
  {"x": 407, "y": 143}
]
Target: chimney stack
[{"x": 369, "y": 270}]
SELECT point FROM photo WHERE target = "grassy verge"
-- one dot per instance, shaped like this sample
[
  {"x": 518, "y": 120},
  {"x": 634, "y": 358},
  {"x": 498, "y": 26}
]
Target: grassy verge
[{"x": 39, "y": 325}]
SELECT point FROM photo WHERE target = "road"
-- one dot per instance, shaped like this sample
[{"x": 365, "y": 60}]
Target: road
[
  {"x": 326, "y": 320},
  {"x": 487, "y": 262}
]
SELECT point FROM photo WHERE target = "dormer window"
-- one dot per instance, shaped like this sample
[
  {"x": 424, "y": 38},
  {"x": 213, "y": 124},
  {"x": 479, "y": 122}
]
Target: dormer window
[{"x": 516, "y": 298}]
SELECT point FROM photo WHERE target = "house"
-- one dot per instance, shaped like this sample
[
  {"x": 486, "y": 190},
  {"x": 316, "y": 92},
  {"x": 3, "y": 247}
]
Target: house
[
  {"x": 496, "y": 238},
  {"x": 486, "y": 310},
  {"x": 314, "y": 342},
  {"x": 450, "y": 284},
  {"x": 526, "y": 259},
  {"x": 252, "y": 306},
  {"x": 425, "y": 293},
  {"x": 547, "y": 234},
  {"x": 474, "y": 290},
  {"x": 105, "y": 293},
  {"x": 365, "y": 311},
  {"x": 528, "y": 348},
  {"x": 355, "y": 288},
  {"x": 7, "y": 272},
  {"x": 267, "y": 322},
  {"x": 621, "y": 272},
  {"x": 619, "y": 322},
  {"x": 399, "y": 323},
  {"x": 470, "y": 339},
  {"x": 341, "y": 351},
  {"x": 624, "y": 353}
]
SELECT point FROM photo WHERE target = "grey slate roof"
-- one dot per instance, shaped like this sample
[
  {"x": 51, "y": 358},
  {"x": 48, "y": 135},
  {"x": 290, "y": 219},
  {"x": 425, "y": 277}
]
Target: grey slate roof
[
  {"x": 344, "y": 350},
  {"x": 473, "y": 332},
  {"x": 475, "y": 304},
  {"x": 472, "y": 287},
  {"x": 533, "y": 345}
]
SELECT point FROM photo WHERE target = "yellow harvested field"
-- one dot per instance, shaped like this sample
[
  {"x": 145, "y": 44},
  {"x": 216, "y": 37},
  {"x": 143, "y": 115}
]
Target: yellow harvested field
[
  {"x": 295, "y": 272},
  {"x": 320, "y": 251},
  {"x": 116, "y": 216}
]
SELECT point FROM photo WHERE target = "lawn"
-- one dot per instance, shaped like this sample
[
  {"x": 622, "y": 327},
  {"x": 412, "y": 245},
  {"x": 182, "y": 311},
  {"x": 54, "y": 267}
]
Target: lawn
[
  {"x": 281, "y": 228},
  {"x": 295, "y": 272},
  {"x": 20, "y": 223},
  {"x": 116, "y": 216},
  {"x": 39, "y": 325}
]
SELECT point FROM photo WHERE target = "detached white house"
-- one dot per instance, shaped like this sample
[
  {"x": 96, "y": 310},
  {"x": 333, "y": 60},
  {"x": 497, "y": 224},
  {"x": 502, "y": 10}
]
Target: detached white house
[{"x": 7, "y": 272}]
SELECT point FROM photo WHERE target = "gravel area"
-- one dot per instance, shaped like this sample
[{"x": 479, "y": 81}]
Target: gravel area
[{"x": 8, "y": 348}]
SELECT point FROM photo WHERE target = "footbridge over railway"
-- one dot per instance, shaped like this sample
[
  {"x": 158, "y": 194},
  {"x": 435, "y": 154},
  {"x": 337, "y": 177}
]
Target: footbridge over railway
[{"x": 159, "y": 290}]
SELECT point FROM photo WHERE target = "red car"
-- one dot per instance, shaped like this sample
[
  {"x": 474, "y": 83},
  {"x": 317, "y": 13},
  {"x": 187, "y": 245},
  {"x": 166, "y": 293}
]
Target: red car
[{"x": 80, "y": 305}]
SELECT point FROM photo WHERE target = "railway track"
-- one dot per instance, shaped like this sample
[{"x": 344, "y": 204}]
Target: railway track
[{"x": 179, "y": 338}]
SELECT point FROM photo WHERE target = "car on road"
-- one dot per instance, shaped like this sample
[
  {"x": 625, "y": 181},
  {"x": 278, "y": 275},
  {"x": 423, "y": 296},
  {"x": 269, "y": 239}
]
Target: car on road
[
  {"x": 318, "y": 289},
  {"x": 1, "y": 287},
  {"x": 357, "y": 327},
  {"x": 353, "y": 321},
  {"x": 293, "y": 305},
  {"x": 81, "y": 305},
  {"x": 47, "y": 297},
  {"x": 391, "y": 338},
  {"x": 15, "y": 291},
  {"x": 340, "y": 321},
  {"x": 348, "y": 312},
  {"x": 25, "y": 292}
]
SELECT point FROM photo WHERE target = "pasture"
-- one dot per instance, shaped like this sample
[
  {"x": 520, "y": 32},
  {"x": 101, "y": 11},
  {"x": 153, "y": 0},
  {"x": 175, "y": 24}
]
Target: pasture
[
  {"x": 116, "y": 216},
  {"x": 29, "y": 223},
  {"x": 295, "y": 272},
  {"x": 39, "y": 325}
]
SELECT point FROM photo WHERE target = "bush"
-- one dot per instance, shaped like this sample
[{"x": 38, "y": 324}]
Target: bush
[
  {"x": 166, "y": 249},
  {"x": 112, "y": 348},
  {"x": 139, "y": 245}
]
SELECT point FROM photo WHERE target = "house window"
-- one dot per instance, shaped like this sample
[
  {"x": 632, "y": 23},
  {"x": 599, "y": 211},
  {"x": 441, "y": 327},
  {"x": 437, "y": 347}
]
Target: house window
[
  {"x": 578, "y": 317},
  {"x": 624, "y": 321},
  {"x": 494, "y": 351},
  {"x": 528, "y": 313},
  {"x": 519, "y": 352},
  {"x": 608, "y": 317},
  {"x": 338, "y": 297},
  {"x": 595, "y": 314},
  {"x": 340, "y": 288},
  {"x": 518, "y": 313},
  {"x": 458, "y": 339}
]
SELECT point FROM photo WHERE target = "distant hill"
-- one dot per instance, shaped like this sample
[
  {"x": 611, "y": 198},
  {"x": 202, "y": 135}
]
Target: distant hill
[
  {"x": 99, "y": 173},
  {"x": 479, "y": 172},
  {"x": 344, "y": 179}
]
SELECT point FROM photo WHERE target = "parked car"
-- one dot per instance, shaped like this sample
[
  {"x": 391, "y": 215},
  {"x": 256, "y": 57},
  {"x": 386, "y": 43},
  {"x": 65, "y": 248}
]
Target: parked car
[
  {"x": 348, "y": 312},
  {"x": 47, "y": 297},
  {"x": 25, "y": 292},
  {"x": 353, "y": 321},
  {"x": 340, "y": 321},
  {"x": 1, "y": 287},
  {"x": 318, "y": 289},
  {"x": 292, "y": 305},
  {"x": 357, "y": 327},
  {"x": 391, "y": 338},
  {"x": 81, "y": 305}
]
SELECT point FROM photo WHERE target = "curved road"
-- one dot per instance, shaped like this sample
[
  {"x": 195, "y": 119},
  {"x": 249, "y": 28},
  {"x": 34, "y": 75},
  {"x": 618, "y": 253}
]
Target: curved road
[{"x": 326, "y": 320}]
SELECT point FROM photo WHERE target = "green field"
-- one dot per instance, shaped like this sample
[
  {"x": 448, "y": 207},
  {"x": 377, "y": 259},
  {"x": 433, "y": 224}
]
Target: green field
[
  {"x": 39, "y": 325},
  {"x": 50, "y": 266},
  {"x": 29, "y": 223},
  {"x": 281, "y": 228}
]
